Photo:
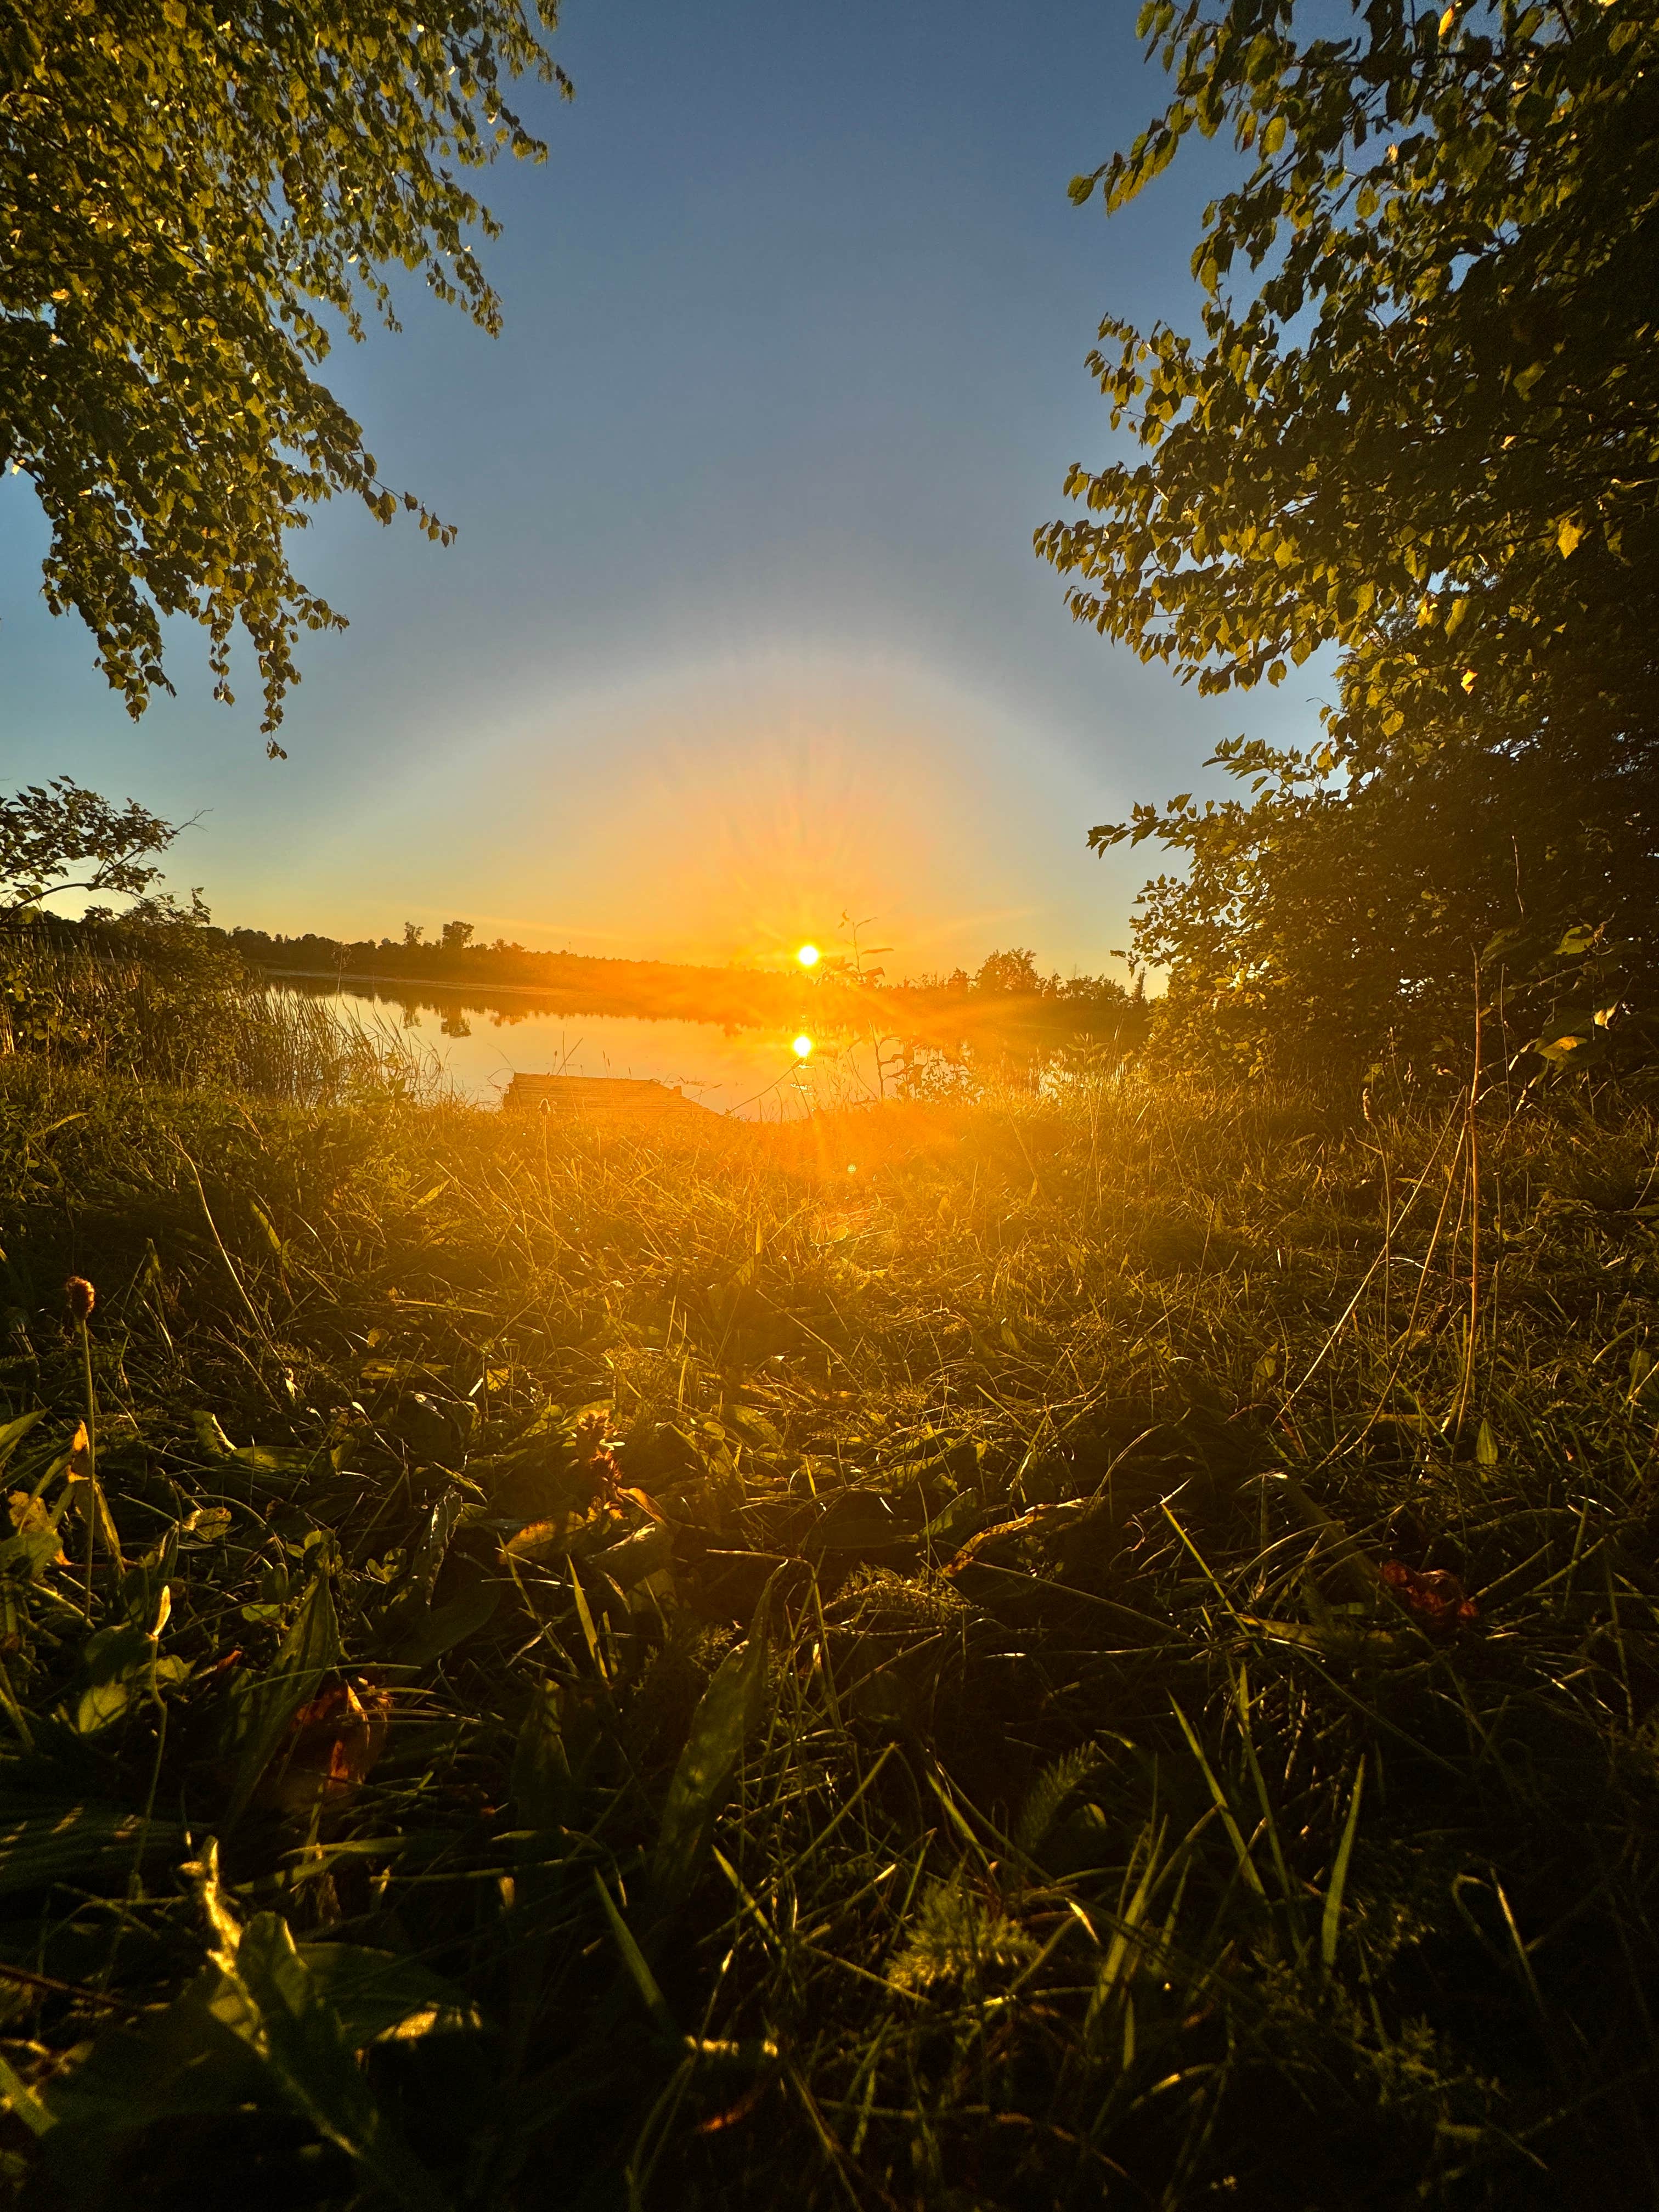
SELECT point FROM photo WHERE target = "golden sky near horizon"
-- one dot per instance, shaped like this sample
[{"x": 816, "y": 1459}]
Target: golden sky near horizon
[{"x": 723, "y": 813}]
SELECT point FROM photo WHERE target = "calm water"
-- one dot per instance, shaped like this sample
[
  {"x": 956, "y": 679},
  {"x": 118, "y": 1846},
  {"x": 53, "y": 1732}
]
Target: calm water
[{"x": 750, "y": 1072}]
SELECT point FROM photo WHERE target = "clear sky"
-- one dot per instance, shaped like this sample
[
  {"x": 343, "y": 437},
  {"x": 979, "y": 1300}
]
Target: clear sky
[{"x": 743, "y": 627}]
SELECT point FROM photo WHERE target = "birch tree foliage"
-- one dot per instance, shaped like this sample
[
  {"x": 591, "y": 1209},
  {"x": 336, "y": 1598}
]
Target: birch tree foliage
[
  {"x": 1418, "y": 425},
  {"x": 60, "y": 837},
  {"x": 1427, "y": 429},
  {"x": 195, "y": 195}
]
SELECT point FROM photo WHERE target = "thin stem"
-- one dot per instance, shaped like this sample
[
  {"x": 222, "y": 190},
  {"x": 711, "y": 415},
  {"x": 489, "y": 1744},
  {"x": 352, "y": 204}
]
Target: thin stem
[
  {"x": 1474, "y": 1220},
  {"x": 92, "y": 1457}
]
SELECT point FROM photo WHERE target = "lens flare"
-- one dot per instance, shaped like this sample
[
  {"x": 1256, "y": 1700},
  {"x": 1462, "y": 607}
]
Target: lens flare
[
  {"x": 809, "y": 955},
  {"x": 802, "y": 1046}
]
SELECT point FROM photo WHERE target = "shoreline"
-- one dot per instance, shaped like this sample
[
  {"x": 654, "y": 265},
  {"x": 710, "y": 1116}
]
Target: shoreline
[{"x": 933, "y": 1029}]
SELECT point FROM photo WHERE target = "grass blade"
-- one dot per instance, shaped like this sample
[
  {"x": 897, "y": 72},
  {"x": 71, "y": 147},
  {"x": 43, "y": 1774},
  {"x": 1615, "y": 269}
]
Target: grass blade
[
  {"x": 1246, "y": 1864},
  {"x": 634, "y": 1959},
  {"x": 1331, "y": 1923}
]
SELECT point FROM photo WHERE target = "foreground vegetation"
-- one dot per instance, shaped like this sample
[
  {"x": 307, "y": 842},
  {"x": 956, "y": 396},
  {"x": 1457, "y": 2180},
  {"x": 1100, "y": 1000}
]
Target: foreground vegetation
[{"x": 1037, "y": 1651}]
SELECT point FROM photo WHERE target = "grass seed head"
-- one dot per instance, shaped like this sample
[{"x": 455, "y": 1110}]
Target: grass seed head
[{"x": 82, "y": 1298}]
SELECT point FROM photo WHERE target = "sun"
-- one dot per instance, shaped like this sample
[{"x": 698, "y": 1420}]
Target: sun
[
  {"x": 802, "y": 1046},
  {"x": 809, "y": 955}
]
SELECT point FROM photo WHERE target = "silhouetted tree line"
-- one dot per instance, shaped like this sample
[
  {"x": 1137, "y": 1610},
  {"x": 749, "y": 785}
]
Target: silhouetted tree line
[{"x": 1007, "y": 991}]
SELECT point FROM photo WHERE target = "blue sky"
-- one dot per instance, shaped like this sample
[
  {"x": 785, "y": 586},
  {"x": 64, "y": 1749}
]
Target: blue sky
[{"x": 743, "y": 627}]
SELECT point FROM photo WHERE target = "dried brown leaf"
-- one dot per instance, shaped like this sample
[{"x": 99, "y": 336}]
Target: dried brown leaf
[{"x": 333, "y": 1743}]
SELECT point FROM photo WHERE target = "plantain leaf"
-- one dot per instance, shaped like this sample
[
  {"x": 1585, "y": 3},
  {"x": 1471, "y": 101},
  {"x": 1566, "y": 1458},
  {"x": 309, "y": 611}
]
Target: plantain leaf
[
  {"x": 257, "y": 2027},
  {"x": 268, "y": 1998},
  {"x": 702, "y": 1780}
]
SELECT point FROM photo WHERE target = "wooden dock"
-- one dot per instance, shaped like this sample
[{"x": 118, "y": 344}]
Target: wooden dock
[{"x": 606, "y": 1097}]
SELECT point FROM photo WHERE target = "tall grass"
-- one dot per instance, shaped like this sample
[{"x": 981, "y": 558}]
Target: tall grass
[
  {"x": 177, "y": 1015},
  {"x": 1040, "y": 1651}
]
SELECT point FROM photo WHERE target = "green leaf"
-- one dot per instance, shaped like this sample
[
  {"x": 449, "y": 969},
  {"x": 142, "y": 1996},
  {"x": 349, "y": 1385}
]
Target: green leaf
[
  {"x": 308, "y": 1654},
  {"x": 112, "y": 1653},
  {"x": 585, "y": 1617},
  {"x": 541, "y": 1788},
  {"x": 267, "y": 1997},
  {"x": 182, "y": 2061},
  {"x": 25, "y": 1557},
  {"x": 288, "y": 1460},
  {"x": 13, "y": 1433},
  {"x": 19, "y": 2098},
  {"x": 210, "y": 1437},
  {"x": 1247, "y": 1865},
  {"x": 256, "y": 2027},
  {"x": 446, "y": 1626},
  {"x": 702, "y": 1780},
  {"x": 208, "y": 1524},
  {"x": 380, "y": 1996}
]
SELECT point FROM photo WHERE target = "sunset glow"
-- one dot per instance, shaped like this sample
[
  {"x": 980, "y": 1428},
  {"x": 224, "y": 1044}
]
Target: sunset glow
[
  {"x": 802, "y": 1046},
  {"x": 809, "y": 955}
]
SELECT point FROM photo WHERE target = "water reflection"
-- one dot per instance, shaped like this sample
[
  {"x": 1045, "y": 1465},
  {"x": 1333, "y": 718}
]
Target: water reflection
[
  {"x": 954, "y": 1043},
  {"x": 484, "y": 1041}
]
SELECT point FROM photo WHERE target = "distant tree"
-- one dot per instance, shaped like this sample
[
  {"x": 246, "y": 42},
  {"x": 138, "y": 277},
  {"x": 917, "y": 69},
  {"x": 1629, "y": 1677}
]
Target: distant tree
[
  {"x": 1010, "y": 973},
  {"x": 413, "y": 933},
  {"x": 1422, "y": 436},
  {"x": 192, "y": 192},
  {"x": 59, "y": 836},
  {"x": 457, "y": 936}
]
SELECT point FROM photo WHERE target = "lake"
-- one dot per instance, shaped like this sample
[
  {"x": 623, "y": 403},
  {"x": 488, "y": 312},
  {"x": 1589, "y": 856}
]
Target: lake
[{"x": 483, "y": 1040}]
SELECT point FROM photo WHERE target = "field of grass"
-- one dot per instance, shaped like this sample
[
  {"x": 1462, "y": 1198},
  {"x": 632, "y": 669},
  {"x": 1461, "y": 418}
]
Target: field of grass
[{"x": 1035, "y": 1652}]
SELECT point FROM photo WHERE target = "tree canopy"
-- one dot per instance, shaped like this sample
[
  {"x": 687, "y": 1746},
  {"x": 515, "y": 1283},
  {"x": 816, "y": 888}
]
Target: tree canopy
[
  {"x": 193, "y": 199},
  {"x": 59, "y": 836},
  {"x": 1419, "y": 430}
]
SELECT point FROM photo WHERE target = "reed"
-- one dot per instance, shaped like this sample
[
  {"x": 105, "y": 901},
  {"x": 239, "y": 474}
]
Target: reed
[{"x": 191, "y": 1021}]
